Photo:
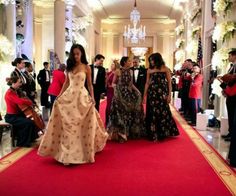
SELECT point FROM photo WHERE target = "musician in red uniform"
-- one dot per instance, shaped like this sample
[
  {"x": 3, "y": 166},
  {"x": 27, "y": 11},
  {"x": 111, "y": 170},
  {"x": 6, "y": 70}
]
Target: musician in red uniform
[
  {"x": 22, "y": 126},
  {"x": 58, "y": 80},
  {"x": 195, "y": 92}
]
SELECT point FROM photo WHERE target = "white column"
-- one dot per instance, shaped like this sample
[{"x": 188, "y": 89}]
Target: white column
[
  {"x": 59, "y": 29},
  {"x": 168, "y": 42},
  {"x": 9, "y": 29},
  {"x": 121, "y": 45},
  {"x": 27, "y": 46},
  {"x": 38, "y": 44},
  {"x": 155, "y": 42},
  {"x": 207, "y": 26}
]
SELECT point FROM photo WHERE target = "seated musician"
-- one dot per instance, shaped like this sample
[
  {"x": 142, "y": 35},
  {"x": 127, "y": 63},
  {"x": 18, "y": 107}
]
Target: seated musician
[{"x": 24, "y": 128}]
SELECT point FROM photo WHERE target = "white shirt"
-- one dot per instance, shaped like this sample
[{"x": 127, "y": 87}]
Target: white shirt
[
  {"x": 47, "y": 76},
  {"x": 22, "y": 75},
  {"x": 95, "y": 73},
  {"x": 136, "y": 71}
]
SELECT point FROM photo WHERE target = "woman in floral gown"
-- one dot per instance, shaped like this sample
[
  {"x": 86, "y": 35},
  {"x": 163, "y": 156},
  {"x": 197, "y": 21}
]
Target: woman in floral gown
[
  {"x": 75, "y": 131},
  {"x": 126, "y": 117},
  {"x": 159, "y": 121}
]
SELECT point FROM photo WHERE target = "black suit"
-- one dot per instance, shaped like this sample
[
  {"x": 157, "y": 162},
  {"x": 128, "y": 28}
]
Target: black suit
[
  {"x": 31, "y": 90},
  {"x": 141, "y": 79},
  {"x": 99, "y": 86},
  {"x": 44, "y": 86},
  {"x": 21, "y": 75},
  {"x": 230, "y": 101}
]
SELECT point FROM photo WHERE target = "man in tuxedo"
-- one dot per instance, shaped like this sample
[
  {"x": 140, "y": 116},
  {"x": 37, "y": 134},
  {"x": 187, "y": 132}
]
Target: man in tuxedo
[
  {"x": 31, "y": 90},
  {"x": 44, "y": 81},
  {"x": 98, "y": 78},
  {"x": 139, "y": 75},
  {"x": 230, "y": 100}
]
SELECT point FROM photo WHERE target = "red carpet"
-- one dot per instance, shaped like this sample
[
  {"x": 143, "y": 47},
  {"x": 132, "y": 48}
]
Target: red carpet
[{"x": 171, "y": 167}]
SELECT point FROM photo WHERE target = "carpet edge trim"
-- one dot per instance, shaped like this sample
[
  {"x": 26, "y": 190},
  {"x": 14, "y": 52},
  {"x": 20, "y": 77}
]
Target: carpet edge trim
[
  {"x": 13, "y": 158},
  {"x": 224, "y": 172}
]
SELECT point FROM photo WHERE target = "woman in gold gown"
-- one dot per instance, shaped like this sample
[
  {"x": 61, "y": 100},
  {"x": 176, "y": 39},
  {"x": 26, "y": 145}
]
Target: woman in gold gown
[{"x": 75, "y": 131}]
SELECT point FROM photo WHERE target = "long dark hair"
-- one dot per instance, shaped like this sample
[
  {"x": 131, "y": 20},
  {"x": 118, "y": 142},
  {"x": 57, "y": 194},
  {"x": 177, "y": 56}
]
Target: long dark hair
[
  {"x": 158, "y": 61},
  {"x": 123, "y": 60},
  {"x": 71, "y": 60},
  {"x": 16, "y": 61}
]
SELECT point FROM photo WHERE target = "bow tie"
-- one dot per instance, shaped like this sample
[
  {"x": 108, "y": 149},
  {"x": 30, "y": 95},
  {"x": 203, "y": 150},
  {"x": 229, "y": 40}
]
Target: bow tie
[
  {"x": 136, "y": 68},
  {"x": 96, "y": 66}
]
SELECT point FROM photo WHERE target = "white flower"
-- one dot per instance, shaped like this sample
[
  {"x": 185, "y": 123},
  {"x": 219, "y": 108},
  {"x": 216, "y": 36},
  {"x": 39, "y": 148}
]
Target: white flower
[
  {"x": 178, "y": 66},
  {"x": 79, "y": 39},
  {"x": 179, "y": 42},
  {"x": 179, "y": 29},
  {"x": 6, "y": 48},
  {"x": 222, "y": 6},
  {"x": 192, "y": 48},
  {"x": 216, "y": 89},
  {"x": 220, "y": 58},
  {"x": 179, "y": 55},
  {"x": 222, "y": 29},
  {"x": 197, "y": 28}
]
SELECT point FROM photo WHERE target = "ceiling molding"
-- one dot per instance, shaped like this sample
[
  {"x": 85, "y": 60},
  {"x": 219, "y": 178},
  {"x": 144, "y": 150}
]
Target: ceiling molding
[
  {"x": 38, "y": 20},
  {"x": 44, "y": 3},
  {"x": 143, "y": 21}
]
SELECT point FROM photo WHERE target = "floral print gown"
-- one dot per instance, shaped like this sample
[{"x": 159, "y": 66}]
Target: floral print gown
[
  {"x": 159, "y": 120},
  {"x": 126, "y": 117}
]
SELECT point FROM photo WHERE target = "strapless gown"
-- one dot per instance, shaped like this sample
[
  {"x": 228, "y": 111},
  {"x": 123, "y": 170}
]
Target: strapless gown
[{"x": 75, "y": 131}]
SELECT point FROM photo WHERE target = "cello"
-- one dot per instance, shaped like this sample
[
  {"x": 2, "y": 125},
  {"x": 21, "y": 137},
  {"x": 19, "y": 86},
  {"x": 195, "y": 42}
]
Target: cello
[{"x": 30, "y": 113}]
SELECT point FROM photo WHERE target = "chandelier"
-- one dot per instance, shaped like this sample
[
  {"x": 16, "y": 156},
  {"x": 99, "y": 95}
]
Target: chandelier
[
  {"x": 6, "y": 2},
  {"x": 139, "y": 51},
  {"x": 135, "y": 34}
]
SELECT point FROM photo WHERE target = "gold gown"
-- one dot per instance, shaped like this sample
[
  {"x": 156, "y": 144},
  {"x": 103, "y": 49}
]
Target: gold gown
[{"x": 75, "y": 131}]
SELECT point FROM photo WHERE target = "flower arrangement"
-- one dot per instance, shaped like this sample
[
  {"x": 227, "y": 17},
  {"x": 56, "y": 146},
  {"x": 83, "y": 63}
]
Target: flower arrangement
[
  {"x": 216, "y": 89},
  {"x": 179, "y": 55},
  {"x": 197, "y": 12},
  {"x": 78, "y": 38},
  {"x": 179, "y": 30},
  {"x": 220, "y": 58},
  {"x": 179, "y": 43},
  {"x": 223, "y": 6},
  {"x": 192, "y": 48},
  {"x": 178, "y": 66},
  {"x": 196, "y": 31},
  {"x": 6, "y": 48},
  {"x": 224, "y": 31}
]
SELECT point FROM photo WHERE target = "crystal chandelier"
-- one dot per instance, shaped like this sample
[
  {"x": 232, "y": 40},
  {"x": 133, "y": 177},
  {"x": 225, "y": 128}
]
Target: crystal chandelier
[
  {"x": 139, "y": 51},
  {"x": 6, "y": 2},
  {"x": 135, "y": 34}
]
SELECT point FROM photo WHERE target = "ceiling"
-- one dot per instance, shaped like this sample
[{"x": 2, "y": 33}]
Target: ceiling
[{"x": 149, "y": 9}]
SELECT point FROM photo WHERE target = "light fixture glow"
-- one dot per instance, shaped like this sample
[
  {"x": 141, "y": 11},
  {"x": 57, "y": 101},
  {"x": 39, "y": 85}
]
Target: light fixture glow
[{"x": 135, "y": 34}]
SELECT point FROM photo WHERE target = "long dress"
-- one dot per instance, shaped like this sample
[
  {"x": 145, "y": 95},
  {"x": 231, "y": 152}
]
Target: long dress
[
  {"x": 75, "y": 131},
  {"x": 126, "y": 118},
  {"x": 159, "y": 120},
  {"x": 110, "y": 94}
]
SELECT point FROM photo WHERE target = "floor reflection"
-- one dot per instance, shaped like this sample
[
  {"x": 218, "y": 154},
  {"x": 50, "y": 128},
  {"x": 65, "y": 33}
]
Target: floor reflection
[{"x": 211, "y": 135}]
